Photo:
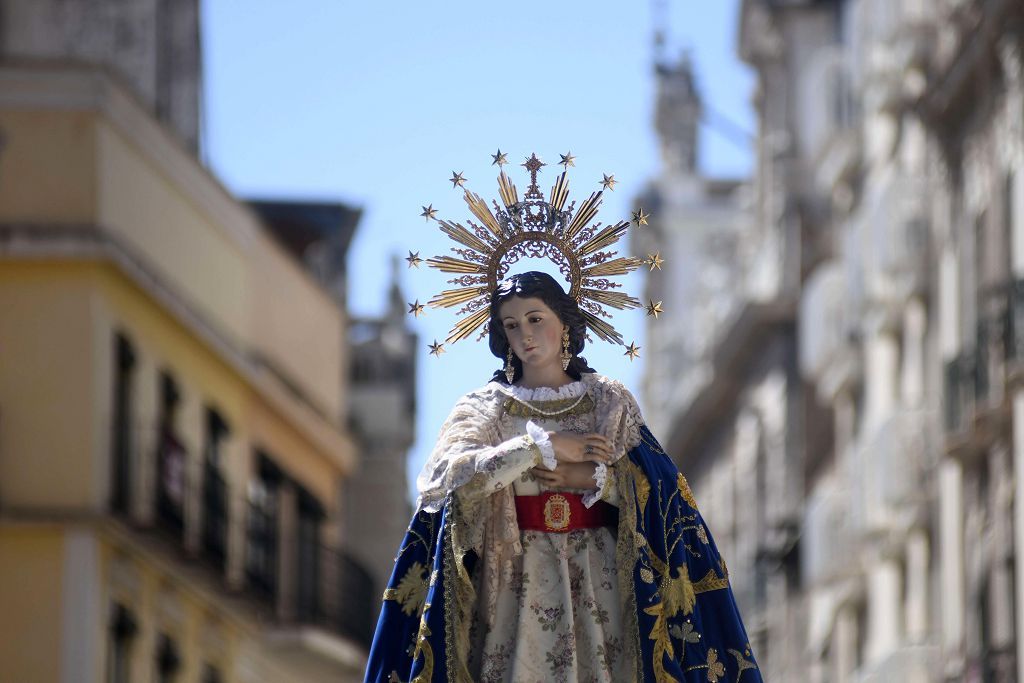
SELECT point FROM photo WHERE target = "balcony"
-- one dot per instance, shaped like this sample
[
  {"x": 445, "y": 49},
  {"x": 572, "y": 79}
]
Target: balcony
[
  {"x": 895, "y": 238},
  {"x": 828, "y": 135},
  {"x": 892, "y": 465},
  {"x": 977, "y": 380},
  {"x": 827, "y": 537},
  {"x": 910, "y": 664},
  {"x": 827, "y": 356},
  {"x": 282, "y": 567}
]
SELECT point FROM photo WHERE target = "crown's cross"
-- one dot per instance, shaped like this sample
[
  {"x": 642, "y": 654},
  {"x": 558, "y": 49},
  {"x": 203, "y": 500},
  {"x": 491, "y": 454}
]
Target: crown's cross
[{"x": 533, "y": 165}]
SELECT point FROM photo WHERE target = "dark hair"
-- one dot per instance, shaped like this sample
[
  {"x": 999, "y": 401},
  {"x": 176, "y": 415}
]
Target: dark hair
[{"x": 544, "y": 287}]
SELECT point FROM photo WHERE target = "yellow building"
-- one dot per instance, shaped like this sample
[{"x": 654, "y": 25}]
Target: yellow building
[{"x": 172, "y": 402}]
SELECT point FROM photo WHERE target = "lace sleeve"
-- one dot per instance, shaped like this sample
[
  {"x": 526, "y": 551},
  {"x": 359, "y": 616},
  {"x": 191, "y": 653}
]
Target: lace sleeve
[
  {"x": 470, "y": 457},
  {"x": 618, "y": 415}
]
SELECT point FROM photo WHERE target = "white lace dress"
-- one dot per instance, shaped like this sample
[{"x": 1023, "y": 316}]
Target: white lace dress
[{"x": 548, "y": 603}]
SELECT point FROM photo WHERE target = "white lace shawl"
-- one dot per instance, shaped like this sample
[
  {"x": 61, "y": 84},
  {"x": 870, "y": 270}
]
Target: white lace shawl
[{"x": 471, "y": 431}]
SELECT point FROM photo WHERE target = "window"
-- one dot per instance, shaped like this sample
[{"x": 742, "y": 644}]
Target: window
[
  {"x": 119, "y": 652},
  {"x": 124, "y": 372},
  {"x": 211, "y": 674},
  {"x": 172, "y": 459},
  {"x": 168, "y": 661},
  {"x": 311, "y": 515},
  {"x": 261, "y": 527},
  {"x": 215, "y": 518}
]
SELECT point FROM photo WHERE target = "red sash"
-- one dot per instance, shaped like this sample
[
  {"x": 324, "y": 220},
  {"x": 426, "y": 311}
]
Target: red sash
[{"x": 561, "y": 512}]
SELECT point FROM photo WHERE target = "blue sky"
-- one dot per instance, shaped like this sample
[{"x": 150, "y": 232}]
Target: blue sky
[{"x": 376, "y": 104}]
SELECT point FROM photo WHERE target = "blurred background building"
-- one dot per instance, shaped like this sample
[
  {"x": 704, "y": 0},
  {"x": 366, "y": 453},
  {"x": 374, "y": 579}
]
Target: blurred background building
[
  {"x": 191, "y": 487},
  {"x": 841, "y": 381}
]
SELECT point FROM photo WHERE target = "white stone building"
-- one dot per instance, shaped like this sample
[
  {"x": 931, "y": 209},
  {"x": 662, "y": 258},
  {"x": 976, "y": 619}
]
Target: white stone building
[{"x": 881, "y": 443}]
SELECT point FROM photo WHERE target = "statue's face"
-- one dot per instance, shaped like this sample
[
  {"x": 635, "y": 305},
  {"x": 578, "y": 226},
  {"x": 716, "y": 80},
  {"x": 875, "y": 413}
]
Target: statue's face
[{"x": 534, "y": 331}]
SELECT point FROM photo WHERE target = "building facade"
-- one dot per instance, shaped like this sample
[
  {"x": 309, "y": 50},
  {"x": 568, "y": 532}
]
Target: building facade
[
  {"x": 174, "y": 384},
  {"x": 889, "y": 185},
  {"x": 721, "y": 377}
]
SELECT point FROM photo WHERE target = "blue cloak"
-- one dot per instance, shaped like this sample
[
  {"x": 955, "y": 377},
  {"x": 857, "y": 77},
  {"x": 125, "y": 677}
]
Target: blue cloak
[{"x": 686, "y": 621}]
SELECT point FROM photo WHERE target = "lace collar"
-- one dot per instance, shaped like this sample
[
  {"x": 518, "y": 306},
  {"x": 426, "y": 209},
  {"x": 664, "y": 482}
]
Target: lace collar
[{"x": 571, "y": 390}]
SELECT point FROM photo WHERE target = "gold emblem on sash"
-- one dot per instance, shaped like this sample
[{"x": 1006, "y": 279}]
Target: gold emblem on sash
[{"x": 557, "y": 513}]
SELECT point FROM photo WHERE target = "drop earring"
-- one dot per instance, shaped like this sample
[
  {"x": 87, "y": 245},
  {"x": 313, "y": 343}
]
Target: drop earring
[
  {"x": 566, "y": 355},
  {"x": 510, "y": 370}
]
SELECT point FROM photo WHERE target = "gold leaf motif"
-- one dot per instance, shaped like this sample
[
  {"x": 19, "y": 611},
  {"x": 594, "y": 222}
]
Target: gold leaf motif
[
  {"x": 643, "y": 486},
  {"x": 662, "y": 644},
  {"x": 411, "y": 591},
  {"x": 685, "y": 492},
  {"x": 423, "y": 647},
  {"x": 711, "y": 582},
  {"x": 677, "y": 593},
  {"x": 647, "y": 575}
]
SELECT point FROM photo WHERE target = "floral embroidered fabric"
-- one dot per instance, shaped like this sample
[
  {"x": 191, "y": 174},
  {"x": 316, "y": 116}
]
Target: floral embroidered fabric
[{"x": 548, "y": 604}]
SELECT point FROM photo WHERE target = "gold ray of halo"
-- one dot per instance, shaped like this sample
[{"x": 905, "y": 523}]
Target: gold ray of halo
[
  {"x": 447, "y": 264},
  {"x": 587, "y": 210},
  {"x": 509, "y": 194},
  {"x": 463, "y": 236},
  {"x": 605, "y": 238},
  {"x": 454, "y": 297},
  {"x": 559, "y": 192},
  {"x": 619, "y": 300},
  {"x": 619, "y": 266},
  {"x": 601, "y": 328},
  {"x": 465, "y": 327},
  {"x": 480, "y": 210}
]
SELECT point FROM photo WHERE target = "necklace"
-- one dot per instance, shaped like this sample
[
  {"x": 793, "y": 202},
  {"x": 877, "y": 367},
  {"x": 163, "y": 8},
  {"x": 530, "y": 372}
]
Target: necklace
[{"x": 560, "y": 406}]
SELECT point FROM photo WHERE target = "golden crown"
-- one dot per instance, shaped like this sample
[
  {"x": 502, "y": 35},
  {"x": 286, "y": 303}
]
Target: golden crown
[{"x": 535, "y": 227}]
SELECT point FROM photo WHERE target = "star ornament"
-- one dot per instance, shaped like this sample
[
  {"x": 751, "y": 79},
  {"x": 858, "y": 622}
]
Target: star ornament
[
  {"x": 654, "y": 308},
  {"x": 436, "y": 349},
  {"x": 633, "y": 351},
  {"x": 640, "y": 217},
  {"x": 416, "y": 308},
  {"x": 414, "y": 259},
  {"x": 567, "y": 160},
  {"x": 609, "y": 182},
  {"x": 457, "y": 179},
  {"x": 654, "y": 261},
  {"x": 429, "y": 212},
  {"x": 500, "y": 159}
]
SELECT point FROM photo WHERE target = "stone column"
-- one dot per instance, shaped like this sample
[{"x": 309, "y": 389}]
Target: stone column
[
  {"x": 951, "y": 536},
  {"x": 881, "y": 375},
  {"x": 884, "y": 600},
  {"x": 844, "y": 642},
  {"x": 1012, "y": 65},
  {"x": 1018, "y": 523},
  {"x": 912, "y": 381},
  {"x": 917, "y": 587}
]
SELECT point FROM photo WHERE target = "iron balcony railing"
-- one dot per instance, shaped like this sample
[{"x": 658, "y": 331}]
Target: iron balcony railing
[
  {"x": 159, "y": 486},
  {"x": 975, "y": 379}
]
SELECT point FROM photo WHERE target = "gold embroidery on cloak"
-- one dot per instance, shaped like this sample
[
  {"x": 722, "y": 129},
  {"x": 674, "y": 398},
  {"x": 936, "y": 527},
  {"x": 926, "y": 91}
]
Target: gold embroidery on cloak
[{"x": 411, "y": 591}]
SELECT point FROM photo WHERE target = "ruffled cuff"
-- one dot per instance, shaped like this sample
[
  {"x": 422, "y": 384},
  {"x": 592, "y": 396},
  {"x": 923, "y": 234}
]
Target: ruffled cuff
[
  {"x": 603, "y": 480},
  {"x": 543, "y": 441}
]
